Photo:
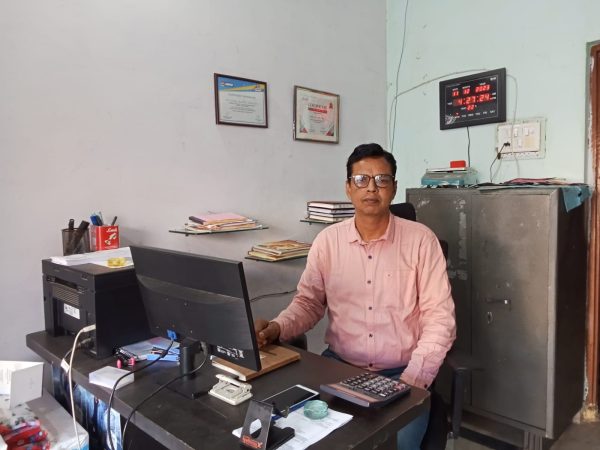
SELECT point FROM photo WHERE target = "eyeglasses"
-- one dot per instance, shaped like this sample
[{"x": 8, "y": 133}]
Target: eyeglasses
[{"x": 382, "y": 180}]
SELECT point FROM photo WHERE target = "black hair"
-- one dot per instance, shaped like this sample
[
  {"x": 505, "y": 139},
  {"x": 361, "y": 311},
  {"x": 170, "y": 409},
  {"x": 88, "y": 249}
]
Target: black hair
[{"x": 369, "y": 151}]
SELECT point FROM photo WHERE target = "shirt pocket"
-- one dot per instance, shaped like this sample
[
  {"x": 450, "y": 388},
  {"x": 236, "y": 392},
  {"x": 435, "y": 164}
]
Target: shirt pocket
[{"x": 399, "y": 289}]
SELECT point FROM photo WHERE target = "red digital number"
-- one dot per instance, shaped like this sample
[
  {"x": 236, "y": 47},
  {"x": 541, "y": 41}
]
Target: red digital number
[
  {"x": 455, "y": 93},
  {"x": 466, "y": 90},
  {"x": 470, "y": 107}
]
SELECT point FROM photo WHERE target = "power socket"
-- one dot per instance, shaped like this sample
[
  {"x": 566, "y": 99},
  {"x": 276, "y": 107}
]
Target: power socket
[{"x": 527, "y": 139}]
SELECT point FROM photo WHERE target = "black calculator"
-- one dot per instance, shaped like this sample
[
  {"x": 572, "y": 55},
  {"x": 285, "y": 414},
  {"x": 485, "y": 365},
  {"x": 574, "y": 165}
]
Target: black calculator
[{"x": 368, "y": 389}]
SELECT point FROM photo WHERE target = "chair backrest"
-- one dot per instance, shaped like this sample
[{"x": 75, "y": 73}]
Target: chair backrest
[
  {"x": 407, "y": 211},
  {"x": 404, "y": 211}
]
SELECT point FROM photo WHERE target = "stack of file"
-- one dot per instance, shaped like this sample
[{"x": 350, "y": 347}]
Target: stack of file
[
  {"x": 279, "y": 250},
  {"x": 329, "y": 211},
  {"x": 211, "y": 223}
]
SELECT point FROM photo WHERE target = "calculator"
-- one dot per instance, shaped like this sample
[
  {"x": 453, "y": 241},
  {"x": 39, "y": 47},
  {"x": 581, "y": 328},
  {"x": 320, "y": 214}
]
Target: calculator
[{"x": 368, "y": 389}]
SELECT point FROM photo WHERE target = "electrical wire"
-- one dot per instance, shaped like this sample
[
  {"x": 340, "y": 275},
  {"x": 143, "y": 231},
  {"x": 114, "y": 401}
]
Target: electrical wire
[
  {"x": 83, "y": 330},
  {"x": 114, "y": 389},
  {"x": 514, "y": 119},
  {"x": 274, "y": 294},
  {"x": 512, "y": 134},
  {"x": 157, "y": 390},
  {"x": 468, "y": 148},
  {"x": 393, "y": 123},
  {"x": 497, "y": 156}
]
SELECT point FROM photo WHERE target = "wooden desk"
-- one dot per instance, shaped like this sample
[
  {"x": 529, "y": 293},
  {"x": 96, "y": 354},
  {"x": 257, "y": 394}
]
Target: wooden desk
[{"x": 206, "y": 423}]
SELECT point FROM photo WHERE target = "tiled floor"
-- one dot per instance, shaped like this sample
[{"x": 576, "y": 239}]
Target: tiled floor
[{"x": 584, "y": 436}]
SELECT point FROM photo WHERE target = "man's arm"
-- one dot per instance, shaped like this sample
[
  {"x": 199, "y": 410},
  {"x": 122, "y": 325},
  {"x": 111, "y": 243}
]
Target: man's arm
[
  {"x": 309, "y": 304},
  {"x": 437, "y": 322}
]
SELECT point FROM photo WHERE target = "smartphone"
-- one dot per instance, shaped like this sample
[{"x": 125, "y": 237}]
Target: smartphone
[{"x": 291, "y": 398}]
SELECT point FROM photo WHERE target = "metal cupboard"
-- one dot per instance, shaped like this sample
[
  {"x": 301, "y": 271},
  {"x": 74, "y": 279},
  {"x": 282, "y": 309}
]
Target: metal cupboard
[{"x": 517, "y": 265}]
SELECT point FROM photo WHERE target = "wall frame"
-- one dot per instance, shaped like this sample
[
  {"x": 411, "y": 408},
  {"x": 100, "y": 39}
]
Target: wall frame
[
  {"x": 316, "y": 115},
  {"x": 240, "y": 101}
]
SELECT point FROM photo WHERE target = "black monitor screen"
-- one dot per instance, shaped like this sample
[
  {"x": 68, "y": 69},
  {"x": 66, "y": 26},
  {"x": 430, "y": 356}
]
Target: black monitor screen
[{"x": 200, "y": 298}]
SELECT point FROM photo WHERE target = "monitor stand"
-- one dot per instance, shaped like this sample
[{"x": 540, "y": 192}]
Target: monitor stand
[{"x": 190, "y": 385}]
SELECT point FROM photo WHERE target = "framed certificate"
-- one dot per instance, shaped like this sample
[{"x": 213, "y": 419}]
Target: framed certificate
[
  {"x": 240, "y": 101},
  {"x": 316, "y": 115}
]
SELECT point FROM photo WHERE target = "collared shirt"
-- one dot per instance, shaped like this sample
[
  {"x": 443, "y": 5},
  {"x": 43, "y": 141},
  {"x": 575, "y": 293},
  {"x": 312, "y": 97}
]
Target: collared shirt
[{"x": 388, "y": 300}]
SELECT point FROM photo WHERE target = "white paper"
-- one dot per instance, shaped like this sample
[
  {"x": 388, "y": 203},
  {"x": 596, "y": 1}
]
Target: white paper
[
  {"x": 107, "y": 376},
  {"x": 98, "y": 257},
  {"x": 21, "y": 380},
  {"x": 308, "y": 431}
]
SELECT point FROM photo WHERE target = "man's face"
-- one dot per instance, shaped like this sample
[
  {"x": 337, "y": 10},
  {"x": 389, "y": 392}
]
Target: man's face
[{"x": 371, "y": 200}]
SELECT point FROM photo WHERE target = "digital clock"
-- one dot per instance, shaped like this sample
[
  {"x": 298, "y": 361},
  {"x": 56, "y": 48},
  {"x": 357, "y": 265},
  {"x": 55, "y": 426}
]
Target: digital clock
[{"x": 473, "y": 100}]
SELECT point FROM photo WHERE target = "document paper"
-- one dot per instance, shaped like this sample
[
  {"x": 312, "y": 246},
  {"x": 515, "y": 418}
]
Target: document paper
[{"x": 307, "y": 431}]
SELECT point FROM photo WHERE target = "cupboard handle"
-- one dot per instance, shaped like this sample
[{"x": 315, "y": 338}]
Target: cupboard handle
[{"x": 504, "y": 301}]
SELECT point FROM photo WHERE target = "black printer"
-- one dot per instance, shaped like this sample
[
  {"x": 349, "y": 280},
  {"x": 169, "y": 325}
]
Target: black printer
[{"x": 86, "y": 294}]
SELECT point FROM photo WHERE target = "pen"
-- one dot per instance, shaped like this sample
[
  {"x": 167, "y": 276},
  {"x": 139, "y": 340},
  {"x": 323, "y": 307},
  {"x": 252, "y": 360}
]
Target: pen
[
  {"x": 196, "y": 219},
  {"x": 71, "y": 224},
  {"x": 113, "y": 221},
  {"x": 76, "y": 237}
]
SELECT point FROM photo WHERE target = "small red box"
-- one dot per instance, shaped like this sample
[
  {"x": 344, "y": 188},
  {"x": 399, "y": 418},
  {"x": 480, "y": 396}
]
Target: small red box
[
  {"x": 457, "y": 164},
  {"x": 106, "y": 237}
]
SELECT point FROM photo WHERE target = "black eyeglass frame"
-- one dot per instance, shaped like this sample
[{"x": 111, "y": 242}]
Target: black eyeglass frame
[{"x": 377, "y": 178}]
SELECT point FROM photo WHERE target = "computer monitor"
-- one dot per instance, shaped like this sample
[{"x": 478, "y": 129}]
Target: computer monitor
[{"x": 197, "y": 299}]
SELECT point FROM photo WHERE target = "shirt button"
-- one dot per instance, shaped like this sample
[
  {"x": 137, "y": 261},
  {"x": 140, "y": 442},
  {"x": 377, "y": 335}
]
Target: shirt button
[
  {"x": 370, "y": 257},
  {"x": 370, "y": 365},
  {"x": 368, "y": 281},
  {"x": 370, "y": 308},
  {"x": 370, "y": 334}
]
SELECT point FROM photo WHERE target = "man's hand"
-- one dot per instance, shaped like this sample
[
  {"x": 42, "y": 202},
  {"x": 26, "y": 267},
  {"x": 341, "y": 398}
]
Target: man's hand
[{"x": 266, "y": 332}]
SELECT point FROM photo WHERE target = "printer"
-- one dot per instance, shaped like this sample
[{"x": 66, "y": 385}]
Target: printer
[{"x": 86, "y": 294}]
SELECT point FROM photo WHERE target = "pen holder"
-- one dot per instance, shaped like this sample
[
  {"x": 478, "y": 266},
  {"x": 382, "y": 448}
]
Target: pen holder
[
  {"x": 73, "y": 243},
  {"x": 105, "y": 237}
]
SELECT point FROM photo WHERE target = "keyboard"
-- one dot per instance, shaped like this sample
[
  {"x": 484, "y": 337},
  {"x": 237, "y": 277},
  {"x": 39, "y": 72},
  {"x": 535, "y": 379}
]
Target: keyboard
[{"x": 368, "y": 389}]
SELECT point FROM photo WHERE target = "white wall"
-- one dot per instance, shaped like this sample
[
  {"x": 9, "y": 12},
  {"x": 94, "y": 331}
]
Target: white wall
[
  {"x": 108, "y": 105},
  {"x": 541, "y": 43}
]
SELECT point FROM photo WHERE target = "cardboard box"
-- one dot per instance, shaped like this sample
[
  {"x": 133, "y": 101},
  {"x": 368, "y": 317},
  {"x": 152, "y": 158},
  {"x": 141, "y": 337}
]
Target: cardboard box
[
  {"x": 21, "y": 381},
  {"x": 54, "y": 422}
]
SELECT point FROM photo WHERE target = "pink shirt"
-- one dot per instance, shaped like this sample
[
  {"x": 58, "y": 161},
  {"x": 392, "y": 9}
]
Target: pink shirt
[{"x": 388, "y": 300}]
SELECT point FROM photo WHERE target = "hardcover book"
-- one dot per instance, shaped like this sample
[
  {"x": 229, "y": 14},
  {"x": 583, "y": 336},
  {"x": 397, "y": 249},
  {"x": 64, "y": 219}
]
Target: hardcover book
[
  {"x": 266, "y": 257},
  {"x": 282, "y": 247},
  {"x": 330, "y": 204},
  {"x": 271, "y": 357}
]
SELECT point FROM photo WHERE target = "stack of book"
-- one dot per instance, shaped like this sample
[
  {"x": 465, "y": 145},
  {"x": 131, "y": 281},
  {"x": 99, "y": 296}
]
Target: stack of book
[
  {"x": 212, "y": 223},
  {"x": 279, "y": 250},
  {"x": 329, "y": 211}
]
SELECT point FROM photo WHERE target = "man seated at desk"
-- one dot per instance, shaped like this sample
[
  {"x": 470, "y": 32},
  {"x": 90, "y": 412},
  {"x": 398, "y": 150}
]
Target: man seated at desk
[{"x": 382, "y": 281}]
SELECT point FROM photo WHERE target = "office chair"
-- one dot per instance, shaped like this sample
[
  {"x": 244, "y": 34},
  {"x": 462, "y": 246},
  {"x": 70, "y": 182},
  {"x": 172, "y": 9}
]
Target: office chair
[{"x": 442, "y": 425}]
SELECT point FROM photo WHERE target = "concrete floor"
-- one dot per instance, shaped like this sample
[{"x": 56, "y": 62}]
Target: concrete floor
[{"x": 584, "y": 436}]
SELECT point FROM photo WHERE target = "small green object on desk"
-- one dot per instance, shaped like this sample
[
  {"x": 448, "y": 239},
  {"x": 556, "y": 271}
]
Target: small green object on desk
[{"x": 315, "y": 409}]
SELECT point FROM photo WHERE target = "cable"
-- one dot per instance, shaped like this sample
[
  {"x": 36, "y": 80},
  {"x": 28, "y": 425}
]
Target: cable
[
  {"x": 512, "y": 134},
  {"x": 83, "y": 330},
  {"x": 114, "y": 389},
  {"x": 497, "y": 157},
  {"x": 394, "y": 101},
  {"x": 468, "y": 148},
  {"x": 393, "y": 127},
  {"x": 157, "y": 390},
  {"x": 514, "y": 118},
  {"x": 274, "y": 294}
]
